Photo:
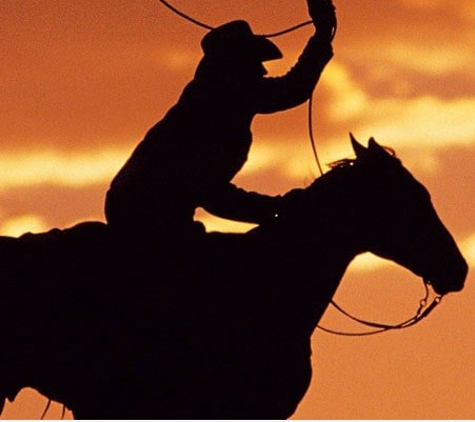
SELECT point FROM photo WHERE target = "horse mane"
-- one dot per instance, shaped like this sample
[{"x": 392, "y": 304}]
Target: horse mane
[
  {"x": 342, "y": 168},
  {"x": 343, "y": 162},
  {"x": 348, "y": 162}
]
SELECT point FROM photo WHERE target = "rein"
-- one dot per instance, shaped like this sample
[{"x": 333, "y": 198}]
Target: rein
[{"x": 423, "y": 311}]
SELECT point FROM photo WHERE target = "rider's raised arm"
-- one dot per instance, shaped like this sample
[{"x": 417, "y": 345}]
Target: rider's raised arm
[{"x": 296, "y": 87}]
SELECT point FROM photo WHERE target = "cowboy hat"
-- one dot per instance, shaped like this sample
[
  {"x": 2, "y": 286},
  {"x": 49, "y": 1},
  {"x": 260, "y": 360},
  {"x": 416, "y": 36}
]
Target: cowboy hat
[{"x": 236, "y": 39}]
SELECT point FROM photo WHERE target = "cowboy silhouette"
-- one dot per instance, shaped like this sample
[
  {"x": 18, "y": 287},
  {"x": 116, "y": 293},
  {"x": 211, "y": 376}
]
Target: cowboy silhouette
[{"x": 188, "y": 159}]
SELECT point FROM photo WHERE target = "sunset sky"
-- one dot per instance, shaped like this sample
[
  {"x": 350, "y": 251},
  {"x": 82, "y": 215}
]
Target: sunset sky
[{"x": 82, "y": 81}]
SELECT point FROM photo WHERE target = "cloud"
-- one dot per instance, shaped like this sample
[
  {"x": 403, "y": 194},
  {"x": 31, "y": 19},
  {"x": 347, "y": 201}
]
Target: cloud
[
  {"x": 468, "y": 249},
  {"x": 213, "y": 223},
  {"x": 349, "y": 99},
  {"x": 56, "y": 167},
  {"x": 22, "y": 224},
  {"x": 294, "y": 162},
  {"x": 431, "y": 60},
  {"x": 423, "y": 4},
  {"x": 464, "y": 8},
  {"x": 427, "y": 121},
  {"x": 468, "y": 10},
  {"x": 178, "y": 59},
  {"x": 368, "y": 262}
]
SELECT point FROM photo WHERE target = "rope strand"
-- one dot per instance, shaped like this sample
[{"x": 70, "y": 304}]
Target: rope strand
[
  {"x": 288, "y": 30},
  {"x": 185, "y": 16},
  {"x": 311, "y": 135},
  {"x": 48, "y": 404},
  {"x": 209, "y": 27}
]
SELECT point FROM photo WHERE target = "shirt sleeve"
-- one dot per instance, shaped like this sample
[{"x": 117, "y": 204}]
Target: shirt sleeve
[
  {"x": 233, "y": 203},
  {"x": 296, "y": 86}
]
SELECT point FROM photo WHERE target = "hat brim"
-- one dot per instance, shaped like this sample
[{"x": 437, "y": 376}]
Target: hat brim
[{"x": 265, "y": 49}]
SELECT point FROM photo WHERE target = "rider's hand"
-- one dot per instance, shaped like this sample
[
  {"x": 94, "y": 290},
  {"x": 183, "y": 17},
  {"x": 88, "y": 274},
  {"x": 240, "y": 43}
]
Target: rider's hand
[
  {"x": 289, "y": 203},
  {"x": 323, "y": 15}
]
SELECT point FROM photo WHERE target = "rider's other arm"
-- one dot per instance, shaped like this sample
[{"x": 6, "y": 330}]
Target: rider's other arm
[
  {"x": 296, "y": 87},
  {"x": 232, "y": 203}
]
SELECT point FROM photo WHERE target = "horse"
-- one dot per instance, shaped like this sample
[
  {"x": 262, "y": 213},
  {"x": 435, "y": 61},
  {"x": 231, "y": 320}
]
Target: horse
[{"x": 118, "y": 334}]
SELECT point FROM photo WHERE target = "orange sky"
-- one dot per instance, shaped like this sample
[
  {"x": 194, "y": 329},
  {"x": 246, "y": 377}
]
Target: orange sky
[{"x": 81, "y": 82}]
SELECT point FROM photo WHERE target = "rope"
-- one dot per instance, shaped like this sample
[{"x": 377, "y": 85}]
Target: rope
[
  {"x": 63, "y": 412},
  {"x": 288, "y": 30},
  {"x": 185, "y": 16},
  {"x": 311, "y": 135},
  {"x": 210, "y": 27},
  {"x": 48, "y": 404}
]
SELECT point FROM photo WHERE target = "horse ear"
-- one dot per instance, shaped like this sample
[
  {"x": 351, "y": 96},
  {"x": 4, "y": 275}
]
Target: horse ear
[
  {"x": 376, "y": 149},
  {"x": 359, "y": 149}
]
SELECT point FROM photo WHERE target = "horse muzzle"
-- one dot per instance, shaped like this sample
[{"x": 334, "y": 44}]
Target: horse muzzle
[{"x": 451, "y": 278}]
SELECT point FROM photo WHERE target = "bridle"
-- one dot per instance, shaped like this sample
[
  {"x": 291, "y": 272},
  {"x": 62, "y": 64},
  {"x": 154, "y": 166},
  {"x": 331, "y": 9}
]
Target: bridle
[{"x": 423, "y": 311}]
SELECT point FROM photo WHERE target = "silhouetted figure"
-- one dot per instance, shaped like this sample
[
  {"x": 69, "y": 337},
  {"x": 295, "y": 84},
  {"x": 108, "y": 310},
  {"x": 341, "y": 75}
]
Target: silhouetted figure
[
  {"x": 188, "y": 159},
  {"x": 112, "y": 343}
]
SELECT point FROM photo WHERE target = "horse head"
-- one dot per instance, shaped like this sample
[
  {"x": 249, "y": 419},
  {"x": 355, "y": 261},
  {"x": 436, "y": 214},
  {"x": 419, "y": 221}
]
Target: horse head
[
  {"x": 373, "y": 204},
  {"x": 400, "y": 222}
]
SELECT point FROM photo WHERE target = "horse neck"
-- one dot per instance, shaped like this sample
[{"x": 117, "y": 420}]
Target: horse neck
[
  {"x": 323, "y": 245},
  {"x": 337, "y": 211}
]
